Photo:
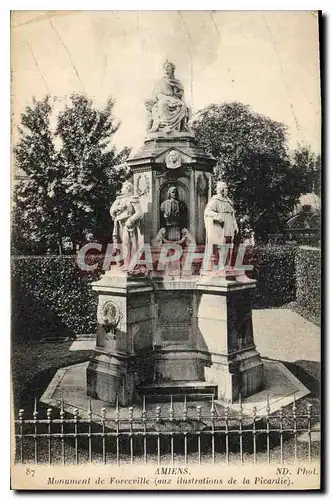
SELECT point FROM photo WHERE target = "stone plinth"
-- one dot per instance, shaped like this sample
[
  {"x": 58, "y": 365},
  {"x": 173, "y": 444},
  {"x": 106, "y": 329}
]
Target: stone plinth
[
  {"x": 122, "y": 357},
  {"x": 158, "y": 331},
  {"x": 225, "y": 327},
  {"x": 282, "y": 388}
]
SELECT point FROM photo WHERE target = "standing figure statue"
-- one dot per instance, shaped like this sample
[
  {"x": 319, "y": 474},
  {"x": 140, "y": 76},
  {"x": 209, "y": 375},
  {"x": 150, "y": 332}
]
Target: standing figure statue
[
  {"x": 167, "y": 109},
  {"x": 219, "y": 217},
  {"x": 126, "y": 212},
  {"x": 174, "y": 214}
]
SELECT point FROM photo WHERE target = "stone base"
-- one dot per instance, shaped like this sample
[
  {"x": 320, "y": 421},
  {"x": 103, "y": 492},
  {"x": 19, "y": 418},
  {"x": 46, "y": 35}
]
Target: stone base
[
  {"x": 225, "y": 326},
  {"x": 181, "y": 365},
  {"x": 242, "y": 374},
  {"x": 69, "y": 383},
  {"x": 113, "y": 378}
]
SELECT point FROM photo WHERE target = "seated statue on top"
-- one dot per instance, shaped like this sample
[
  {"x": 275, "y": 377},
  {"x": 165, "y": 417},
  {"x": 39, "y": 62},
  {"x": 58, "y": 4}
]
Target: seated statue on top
[{"x": 167, "y": 110}]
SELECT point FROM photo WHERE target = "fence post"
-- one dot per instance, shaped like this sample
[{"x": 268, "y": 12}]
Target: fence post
[
  {"x": 131, "y": 417},
  {"x": 213, "y": 413},
  {"x": 35, "y": 416},
  {"x": 158, "y": 410},
  {"x": 144, "y": 415},
  {"x": 268, "y": 428},
  {"x": 89, "y": 429},
  {"x": 309, "y": 407},
  {"x": 199, "y": 416},
  {"x": 281, "y": 431},
  {"x": 227, "y": 433},
  {"x": 62, "y": 413},
  {"x": 117, "y": 420},
  {"x": 76, "y": 432},
  {"x": 254, "y": 410},
  {"x": 184, "y": 416},
  {"x": 295, "y": 428},
  {"x": 103, "y": 418},
  {"x": 241, "y": 428},
  {"x": 49, "y": 420},
  {"x": 21, "y": 420}
]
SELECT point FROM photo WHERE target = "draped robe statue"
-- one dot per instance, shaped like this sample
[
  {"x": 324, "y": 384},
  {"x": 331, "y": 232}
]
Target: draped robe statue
[
  {"x": 219, "y": 217},
  {"x": 126, "y": 212},
  {"x": 167, "y": 109}
]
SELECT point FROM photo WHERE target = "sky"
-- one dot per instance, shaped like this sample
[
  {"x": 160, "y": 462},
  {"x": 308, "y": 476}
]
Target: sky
[{"x": 269, "y": 60}]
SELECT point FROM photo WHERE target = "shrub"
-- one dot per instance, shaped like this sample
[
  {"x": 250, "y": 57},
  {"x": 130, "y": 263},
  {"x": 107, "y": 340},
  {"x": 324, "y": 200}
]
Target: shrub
[
  {"x": 308, "y": 281},
  {"x": 274, "y": 270},
  {"x": 51, "y": 296}
]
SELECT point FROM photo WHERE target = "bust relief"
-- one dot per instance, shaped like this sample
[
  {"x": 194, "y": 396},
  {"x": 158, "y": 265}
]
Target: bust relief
[{"x": 173, "y": 159}]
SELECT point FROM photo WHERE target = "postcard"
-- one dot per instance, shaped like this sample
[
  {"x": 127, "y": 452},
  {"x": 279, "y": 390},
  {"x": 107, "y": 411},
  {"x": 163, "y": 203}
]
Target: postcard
[{"x": 166, "y": 250}]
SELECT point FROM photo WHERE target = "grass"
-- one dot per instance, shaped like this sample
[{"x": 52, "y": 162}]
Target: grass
[{"x": 33, "y": 366}]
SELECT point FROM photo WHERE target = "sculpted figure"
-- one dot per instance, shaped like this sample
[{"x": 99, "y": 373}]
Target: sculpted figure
[
  {"x": 126, "y": 213},
  {"x": 168, "y": 110},
  {"x": 219, "y": 217},
  {"x": 174, "y": 213}
]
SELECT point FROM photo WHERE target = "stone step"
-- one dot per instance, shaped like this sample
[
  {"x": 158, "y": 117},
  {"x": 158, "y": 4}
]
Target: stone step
[{"x": 192, "y": 390}]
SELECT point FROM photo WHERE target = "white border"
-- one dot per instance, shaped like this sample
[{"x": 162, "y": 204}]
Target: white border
[{"x": 5, "y": 176}]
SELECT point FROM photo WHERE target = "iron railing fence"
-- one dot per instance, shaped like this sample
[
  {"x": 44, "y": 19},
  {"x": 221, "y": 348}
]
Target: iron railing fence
[{"x": 162, "y": 435}]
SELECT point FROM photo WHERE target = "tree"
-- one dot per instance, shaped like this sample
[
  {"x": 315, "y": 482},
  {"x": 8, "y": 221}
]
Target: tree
[
  {"x": 253, "y": 158},
  {"x": 35, "y": 218},
  {"x": 310, "y": 164},
  {"x": 68, "y": 189}
]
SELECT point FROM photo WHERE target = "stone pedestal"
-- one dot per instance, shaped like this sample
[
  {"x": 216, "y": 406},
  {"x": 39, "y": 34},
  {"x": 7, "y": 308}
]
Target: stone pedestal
[
  {"x": 123, "y": 354},
  {"x": 176, "y": 355},
  {"x": 225, "y": 330},
  {"x": 154, "y": 332}
]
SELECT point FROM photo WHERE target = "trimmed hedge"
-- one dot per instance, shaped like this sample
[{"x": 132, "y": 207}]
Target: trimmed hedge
[
  {"x": 308, "y": 281},
  {"x": 51, "y": 296},
  {"x": 274, "y": 270}
]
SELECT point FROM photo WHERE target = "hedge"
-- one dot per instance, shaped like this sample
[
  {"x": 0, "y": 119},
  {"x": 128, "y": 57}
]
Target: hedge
[
  {"x": 308, "y": 281},
  {"x": 51, "y": 296},
  {"x": 274, "y": 270}
]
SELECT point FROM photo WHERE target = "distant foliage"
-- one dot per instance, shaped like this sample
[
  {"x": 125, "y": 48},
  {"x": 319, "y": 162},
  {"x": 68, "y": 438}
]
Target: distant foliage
[
  {"x": 69, "y": 188},
  {"x": 253, "y": 158},
  {"x": 310, "y": 164},
  {"x": 308, "y": 281}
]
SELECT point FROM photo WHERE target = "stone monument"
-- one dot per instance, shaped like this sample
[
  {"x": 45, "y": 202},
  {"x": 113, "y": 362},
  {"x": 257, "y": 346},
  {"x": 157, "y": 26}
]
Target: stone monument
[{"x": 175, "y": 327}]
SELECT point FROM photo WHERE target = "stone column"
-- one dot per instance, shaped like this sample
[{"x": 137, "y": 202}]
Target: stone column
[
  {"x": 122, "y": 357},
  {"x": 225, "y": 330}
]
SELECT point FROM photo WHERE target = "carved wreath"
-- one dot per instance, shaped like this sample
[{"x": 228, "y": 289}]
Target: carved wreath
[
  {"x": 110, "y": 314},
  {"x": 142, "y": 185}
]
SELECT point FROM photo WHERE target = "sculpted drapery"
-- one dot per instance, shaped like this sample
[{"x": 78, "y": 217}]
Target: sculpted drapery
[
  {"x": 126, "y": 212},
  {"x": 219, "y": 217},
  {"x": 168, "y": 110}
]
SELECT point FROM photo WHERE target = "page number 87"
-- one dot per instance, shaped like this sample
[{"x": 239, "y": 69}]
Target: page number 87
[{"x": 30, "y": 472}]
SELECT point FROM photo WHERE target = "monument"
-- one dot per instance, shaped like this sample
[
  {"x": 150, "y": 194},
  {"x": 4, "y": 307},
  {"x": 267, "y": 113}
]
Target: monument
[{"x": 180, "y": 326}]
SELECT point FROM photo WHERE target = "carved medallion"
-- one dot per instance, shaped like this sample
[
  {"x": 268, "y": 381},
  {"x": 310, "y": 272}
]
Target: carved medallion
[
  {"x": 142, "y": 185},
  {"x": 173, "y": 159},
  {"x": 109, "y": 317}
]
